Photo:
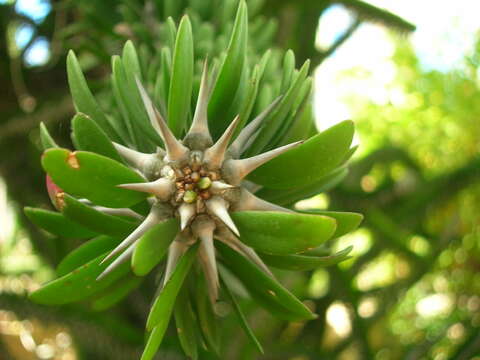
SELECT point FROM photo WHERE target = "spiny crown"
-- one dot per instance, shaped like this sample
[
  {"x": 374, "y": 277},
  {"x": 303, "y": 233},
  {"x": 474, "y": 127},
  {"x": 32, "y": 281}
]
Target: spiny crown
[{"x": 197, "y": 181}]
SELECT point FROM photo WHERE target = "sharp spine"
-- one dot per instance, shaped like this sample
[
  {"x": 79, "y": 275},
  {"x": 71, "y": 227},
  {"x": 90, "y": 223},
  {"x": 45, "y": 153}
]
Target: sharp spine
[
  {"x": 162, "y": 188},
  {"x": 203, "y": 228},
  {"x": 175, "y": 250},
  {"x": 149, "y": 222},
  {"x": 125, "y": 256},
  {"x": 248, "y": 131},
  {"x": 248, "y": 201},
  {"x": 231, "y": 240},
  {"x": 218, "y": 207},
  {"x": 186, "y": 212},
  {"x": 219, "y": 187},
  {"x": 119, "y": 212},
  {"x": 237, "y": 169},
  {"x": 215, "y": 154},
  {"x": 134, "y": 158},
  {"x": 174, "y": 148},
  {"x": 199, "y": 125}
]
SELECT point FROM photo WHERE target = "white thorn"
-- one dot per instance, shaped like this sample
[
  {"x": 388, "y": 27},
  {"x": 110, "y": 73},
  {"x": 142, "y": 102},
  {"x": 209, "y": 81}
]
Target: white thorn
[
  {"x": 238, "y": 169},
  {"x": 218, "y": 207},
  {"x": 118, "y": 261},
  {"x": 134, "y": 158},
  {"x": 248, "y": 201},
  {"x": 203, "y": 228},
  {"x": 175, "y": 250},
  {"x": 215, "y": 154},
  {"x": 219, "y": 187},
  {"x": 248, "y": 131},
  {"x": 174, "y": 148},
  {"x": 229, "y": 239},
  {"x": 149, "y": 222},
  {"x": 162, "y": 188},
  {"x": 186, "y": 212},
  {"x": 119, "y": 212},
  {"x": 200, "y": 121}
]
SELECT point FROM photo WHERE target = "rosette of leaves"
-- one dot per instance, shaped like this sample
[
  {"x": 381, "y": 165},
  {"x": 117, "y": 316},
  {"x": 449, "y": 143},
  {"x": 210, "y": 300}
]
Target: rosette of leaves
[{"x": 172, "y": 181}]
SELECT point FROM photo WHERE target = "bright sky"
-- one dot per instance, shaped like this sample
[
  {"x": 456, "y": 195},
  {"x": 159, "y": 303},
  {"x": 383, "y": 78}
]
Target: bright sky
[{"x": 445, "y": 33}]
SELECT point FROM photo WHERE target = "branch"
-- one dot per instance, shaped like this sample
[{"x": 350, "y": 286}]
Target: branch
[
  {"x": 50, "y": 113},
  {"x": 372, "y": 13}
]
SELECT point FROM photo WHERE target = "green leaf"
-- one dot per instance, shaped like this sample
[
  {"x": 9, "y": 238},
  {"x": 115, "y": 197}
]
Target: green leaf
[
  {"x": 241, "y": 317},
  {"x": 186, "y": 324},
  {"x": 206, "y": 315},
  {"x": 45, "y": 138},
  {"x": 275, "y": 120},
  {"x": 82, "y": 96},
  {"x": 304, "y": 262},
  {"x": 130, "y": 59},
  {"x": 162, "y": 307},
  {"x": 154, "y": 340},
  {"x": 288, "y": 69},
  {"x": 290, "y": 196},
  {"x": 346, "y": 221},
  {"x": 162, "y": 82},
  {"x": 95, "y": 220},
  {"x": 79, "y": 284},
  {"x": 92, "y": 176},
  {"x": 308, "y": 162},
  {"x": 265, "y": 289},
  {"x": 116, "y": 292},
  {"x": 230, "y": 73},
  {"x": 85, "y": 253},
  {"x": 283, "y": 233},
  {"x": 153, "y": 245},
  {"x": 57, "y": 224},
  {"x": 181, "y": 83},
  {"x": 90, "y": 137}
]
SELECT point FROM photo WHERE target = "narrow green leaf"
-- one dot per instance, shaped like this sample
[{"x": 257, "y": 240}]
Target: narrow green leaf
[
  {"x": 186, "y": 324},
  {"x": 130, "y": 59},
  {"x": 57, "y": 224},
  {"x": 230, "y": 73},
  {"x": 171, "y": 32},
  {"x": 206, "y": 315},
  {"x": 283, "y": 233},
  {"x": 85, "y": 253},
  {"x": 45, "y": 138},
  {"x": 274, "y": 122},
  {"x": 153, "y": 245},
  {"x": 92, "y": 176},
  {"x": 180, "y": 93},
  {"x": 301, "y": 126},
  {"x": 95, "y": 220},
  {"x": 265, "y": 289},
  {"x": 155, "y": 340},
  {"x": 83, "y": 98},
  {"x": 116, "y": 292},
  {"x": 241, "y": 317},
  {"x": 162, "y": 83},
  {"x": 79, "y": 284},
  {"x": 126, "y": 120},
  {"x": 346, "y": 221},
  {"x": 162, "y": 307},
  {"x": 305, "y": 262},
  {"x": 308, "y": 162},
  {"x": 288, "y": 68},
  {"x": 90, "y": 137}
]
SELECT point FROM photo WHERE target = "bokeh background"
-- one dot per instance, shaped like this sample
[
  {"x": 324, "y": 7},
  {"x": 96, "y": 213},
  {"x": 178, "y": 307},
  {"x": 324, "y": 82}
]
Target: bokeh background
[{"x": 406, "y": 72}]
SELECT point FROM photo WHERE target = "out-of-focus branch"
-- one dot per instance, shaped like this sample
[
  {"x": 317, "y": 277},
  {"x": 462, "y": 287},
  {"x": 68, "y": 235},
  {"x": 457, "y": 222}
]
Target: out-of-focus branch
[{"x": 49, "y": 113}]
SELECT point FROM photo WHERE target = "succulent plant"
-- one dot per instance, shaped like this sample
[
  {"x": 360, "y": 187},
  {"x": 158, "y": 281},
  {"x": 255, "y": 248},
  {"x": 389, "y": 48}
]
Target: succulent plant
[{"x": 207, "y": 198}]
